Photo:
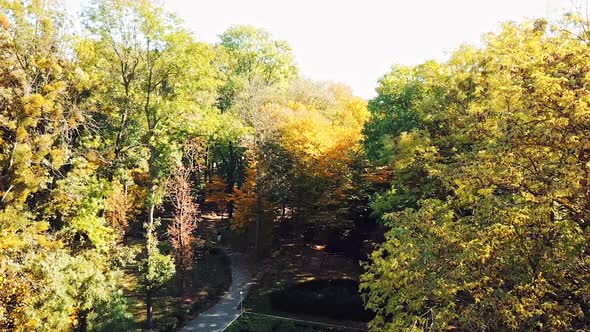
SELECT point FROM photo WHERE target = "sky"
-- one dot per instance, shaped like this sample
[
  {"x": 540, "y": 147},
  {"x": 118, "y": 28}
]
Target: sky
[{"x": 355, "y": 42}]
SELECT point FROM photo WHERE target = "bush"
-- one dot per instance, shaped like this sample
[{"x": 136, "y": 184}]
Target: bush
[
  {"x": 167, "y": 324},
  {"x": 181, "y": 314},
  {"x": 338, "y": 299},
  {"x": 196, "y": 307},
  {"x": 113, "y": 316},
  {"x": 249, "y": 323}
]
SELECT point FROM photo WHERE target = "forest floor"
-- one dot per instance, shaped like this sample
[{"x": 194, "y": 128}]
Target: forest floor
[
  {"x": 210, "y": 278},
  {"x": 292, "y": 261},
  {"x": 261, "y": 323},
  {"x": 219, "y": 316}
]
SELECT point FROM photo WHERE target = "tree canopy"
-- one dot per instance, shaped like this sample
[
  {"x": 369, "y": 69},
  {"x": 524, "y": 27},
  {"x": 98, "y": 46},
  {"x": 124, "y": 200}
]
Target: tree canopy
[
  {"x": 118, "y": 135},
  {"x": 488, "y": 198}
]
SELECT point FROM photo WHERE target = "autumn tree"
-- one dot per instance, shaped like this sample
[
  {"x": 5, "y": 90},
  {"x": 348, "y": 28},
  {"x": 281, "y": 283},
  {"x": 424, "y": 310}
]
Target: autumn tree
[
  {"x": 216, "y": 194},
  {"x": 186, "y": 213},
  {"x": 255, "y": 68},
  {"x": 254, "y": 211},
  {"x": 57, "y": 252},
  {"x": 162, "y": 81},
  {"x": 487, "y": 207},
  {"x": 319, "y": 138},
  {"x": 246, "y": 201}
]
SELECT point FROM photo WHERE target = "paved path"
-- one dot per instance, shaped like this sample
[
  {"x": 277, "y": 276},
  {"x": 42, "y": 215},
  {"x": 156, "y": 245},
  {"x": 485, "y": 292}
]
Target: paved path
[{"x": 227, "y": 309}]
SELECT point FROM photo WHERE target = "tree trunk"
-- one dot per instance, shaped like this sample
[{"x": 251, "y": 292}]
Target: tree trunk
[
  {"x": 82, "y": 321},
  {"x": 182, "y": 282},
  {"x": 207, "y": 173},
  {"x": 257, "y": 230},
  {"x": 151, "y": 214},
  {"x": 257, "y": 246},
  {"x": 151, "y": 208},
  {"x": 151, "y": 186},
  {"x": 231, "y": 170},
  {"x": 148, "y": 299},
  {"x": 230, "y": 209},
  {"x": 149, "y": 309}
]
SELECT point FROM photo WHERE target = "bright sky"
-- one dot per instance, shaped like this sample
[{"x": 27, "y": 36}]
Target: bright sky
[{"x": 356, "y": 41}]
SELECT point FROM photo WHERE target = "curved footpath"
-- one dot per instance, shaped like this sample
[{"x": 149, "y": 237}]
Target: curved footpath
[{"x": 218, "y": 317}]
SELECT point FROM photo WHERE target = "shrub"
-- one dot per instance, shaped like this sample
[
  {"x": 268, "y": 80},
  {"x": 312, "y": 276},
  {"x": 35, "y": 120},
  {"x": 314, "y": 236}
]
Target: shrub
[
  {"x": 167, "y": 324},
  {"x": 338, "y": 299},
  {"x": 248, "y": 323},
  {"x": 181, "y": 314}
]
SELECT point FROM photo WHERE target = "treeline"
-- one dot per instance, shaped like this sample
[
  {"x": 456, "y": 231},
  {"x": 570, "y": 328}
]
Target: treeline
[
  {"x": 489, "y": 205},
  {"x": 105, "y": 130}
]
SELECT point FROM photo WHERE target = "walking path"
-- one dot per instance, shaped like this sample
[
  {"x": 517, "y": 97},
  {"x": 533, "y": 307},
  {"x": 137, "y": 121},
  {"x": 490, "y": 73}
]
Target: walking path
[{"x": 218, "y": 317}]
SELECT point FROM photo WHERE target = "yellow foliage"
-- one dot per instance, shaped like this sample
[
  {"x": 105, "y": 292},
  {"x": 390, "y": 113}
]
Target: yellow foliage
[
  {"x": 216, "y": 192},
  {"x": 245, "y": 199},
  {"x": 4, "y": 21}
]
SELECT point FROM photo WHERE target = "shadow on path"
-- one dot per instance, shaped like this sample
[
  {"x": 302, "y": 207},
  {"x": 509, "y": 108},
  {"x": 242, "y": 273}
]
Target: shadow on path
[{"x": 218, "y": 317}]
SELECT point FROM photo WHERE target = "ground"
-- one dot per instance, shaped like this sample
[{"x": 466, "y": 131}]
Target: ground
[
  {"x": 216, "y": 318},
  {"x": 210, "y": 278},
  {"x": 255, "y": 323},
  {"x": 291, "y": 260},
  {"x": 294, "y": 261}
]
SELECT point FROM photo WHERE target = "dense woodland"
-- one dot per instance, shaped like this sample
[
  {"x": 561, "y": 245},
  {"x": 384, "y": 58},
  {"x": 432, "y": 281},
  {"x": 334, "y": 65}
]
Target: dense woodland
[{"x": 471, "y": 175}]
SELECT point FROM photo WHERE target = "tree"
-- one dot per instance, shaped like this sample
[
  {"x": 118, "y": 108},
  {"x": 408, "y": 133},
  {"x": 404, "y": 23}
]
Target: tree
[
  {"x": 254, "y": 210},
  {"x": 216, "y": 191},
  {"x": 319, "y": 137},
  {"x": 57, "y": 254},
  {"x": 496, "y": 238},
  {"x": 156, "y": 269},
  {"x": 246, "y": 201},
  {"x": 248, "y": 55},
  {"x": 255, "y": 66},
  {"x": 186, "y": 213},
  {"x": 162, "y": 80},
  {"x": 41, "y": 108}
]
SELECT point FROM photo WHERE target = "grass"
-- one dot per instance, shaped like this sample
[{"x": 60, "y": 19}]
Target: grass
[
  {"x": 210, "y": 278},
  {"x": 294, "y": 263},
  {"x": 254, "y": 323},
  {"x": 338, "y": 299},
  {"x": 259, "y": 300}
]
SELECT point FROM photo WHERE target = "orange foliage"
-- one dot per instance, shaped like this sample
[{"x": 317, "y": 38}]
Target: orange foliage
[
  {"x": 186, "y": 211},
  {"x": 245, "y": 200},
  {"x": 216, "y": 193},
  {"x": 117, "y": 208}
]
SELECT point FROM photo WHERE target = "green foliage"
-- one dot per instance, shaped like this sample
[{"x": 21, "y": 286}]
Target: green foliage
[
  {"x": 58, "y": 264},
  {"x": 156, "y": 268},
  {"x": 47, "y": 287},
  {"x": 77, "y": 201},
  {"x": 249, "y": 55},
  {"x": 256, "y": 54}
]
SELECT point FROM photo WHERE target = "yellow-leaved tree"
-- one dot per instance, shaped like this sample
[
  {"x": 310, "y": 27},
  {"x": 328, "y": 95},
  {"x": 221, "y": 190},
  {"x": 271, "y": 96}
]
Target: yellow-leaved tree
[{"x": 490, "y": 199}]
